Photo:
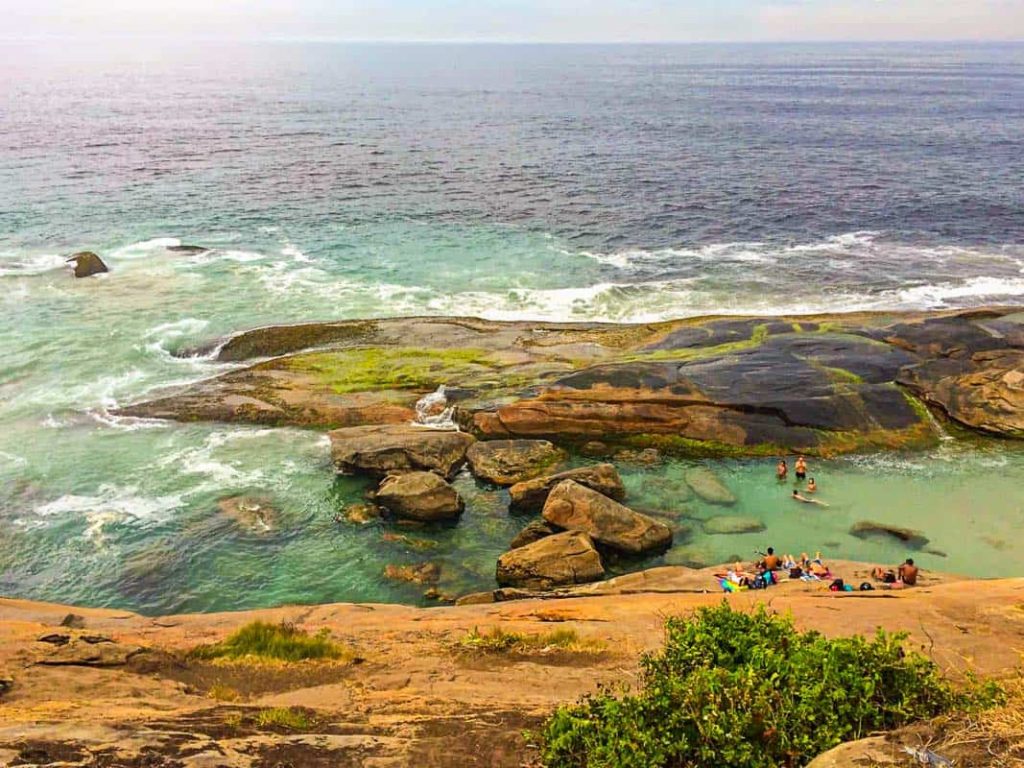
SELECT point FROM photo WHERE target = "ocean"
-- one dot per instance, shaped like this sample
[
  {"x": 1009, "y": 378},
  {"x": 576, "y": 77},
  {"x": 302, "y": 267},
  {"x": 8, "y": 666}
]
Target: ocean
[{"x": 624, "y": 183}]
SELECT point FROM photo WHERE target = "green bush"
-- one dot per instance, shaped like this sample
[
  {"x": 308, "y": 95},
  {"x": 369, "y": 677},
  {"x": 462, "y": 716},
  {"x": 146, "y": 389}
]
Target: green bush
[
  {"x": 747, "y": 690},
  {"x": 280, "y": 642}
]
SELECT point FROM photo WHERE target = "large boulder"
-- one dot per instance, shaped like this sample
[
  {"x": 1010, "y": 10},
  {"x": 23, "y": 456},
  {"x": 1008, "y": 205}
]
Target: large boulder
[
  {"x": 534, "y": 531},
  {"x": 87, "y": 264},
  {"x": 572, "y": 506},
  {"x": 507, "y": 462},
  {"x": 421, "y": 496},
  {"x": 380, "y": 450},
  {"x": 869, "y": 529},
  {"x": 708, "y": 487},
  {"x": 732, "y": 524},
  {"x": 565, "y": 558},
  {"x": 530, "y": 495}
]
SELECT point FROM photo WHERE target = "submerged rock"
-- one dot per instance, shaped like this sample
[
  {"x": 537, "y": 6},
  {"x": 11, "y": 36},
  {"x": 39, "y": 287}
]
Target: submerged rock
[
  {"x": 189, "y": 250},
  {"x": 421, "y": 496},
  {"x": 708, "y": 487},
  {"x": 572, "y": 506},
  {"x": 732, "y": 524},
  {"x": 534, "y": 531},
  {"x": 361, "y": 513},
  {"x": 379, "y": 450},
  {"x": 530, "y": 495},
  {"x": 867, "y": 529},
  {"x": 506, "y": 462},
  {"x": 565, "y": 558},
  {"x": 87, "y": 264},
  {"x": 254, "y": 514},
  {"x": 419, "y": 573}
]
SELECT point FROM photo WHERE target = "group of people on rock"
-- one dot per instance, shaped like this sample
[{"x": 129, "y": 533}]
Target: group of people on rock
[
  {"x": 800, "y": 470},
  {"x": 766, "y": 569}
]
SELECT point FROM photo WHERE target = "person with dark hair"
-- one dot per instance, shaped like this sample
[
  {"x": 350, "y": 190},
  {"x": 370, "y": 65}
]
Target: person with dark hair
[
  {"x": 781, "y": 470},
  {"x": 908, "y": 572},
  {"x": 801, "y": 469},
  {"x": 771, "y": 561},
  {"x": 904, "y": 575},
  {"x": 797, "y": 496}
]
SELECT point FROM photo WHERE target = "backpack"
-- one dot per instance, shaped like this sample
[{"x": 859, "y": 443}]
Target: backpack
[
  {"x": 837, "y": 586},
  {"x": 866, "y": 587}
]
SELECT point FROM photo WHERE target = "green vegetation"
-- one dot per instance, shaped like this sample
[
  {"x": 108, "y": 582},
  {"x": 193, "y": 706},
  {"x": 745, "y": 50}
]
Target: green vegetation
[
  {"x": 498, "y": 640},
  {"x": 676, "y": 445},
  {"x": 747, "y": 690},
  {"x": 283, "y": 717},
  {"x": 222, "y": 692},
  {"x": 273, "y": 642},
  {"x": 373, "y": 368}
]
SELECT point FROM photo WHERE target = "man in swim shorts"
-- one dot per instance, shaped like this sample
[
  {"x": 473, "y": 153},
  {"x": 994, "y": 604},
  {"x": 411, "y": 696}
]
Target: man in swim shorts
[{"x": 801, "y": 469}]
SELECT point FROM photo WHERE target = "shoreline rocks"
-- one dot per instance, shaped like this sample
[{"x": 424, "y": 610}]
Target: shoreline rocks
[
  {"x": 87, "y": 264},
  {"x": 530, "y": 495},
  {"x": 507, "y": 462},
  {"x": 380, "y": 450},
  {"x": 571, "y": 506},
  {"x": 422, "y": 496},
  {"x": 558, "y": 560}
]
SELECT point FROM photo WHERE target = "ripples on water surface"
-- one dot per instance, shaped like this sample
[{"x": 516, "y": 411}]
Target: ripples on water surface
[{"x": 621, "y": 183}]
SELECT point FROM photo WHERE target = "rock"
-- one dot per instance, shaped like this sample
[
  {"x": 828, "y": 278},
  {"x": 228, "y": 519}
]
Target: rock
[
  {"x": 255, "y": 514},
  {"x": 595, "y": 449},
  {"x": 708, "y": 487},
  {"x": 874, "y": 751},
  {"x": 410, "y": 542},
  {"x": 361, "y": 514},
  {"x": 867, "y": 529},
  {"x": 419, "y": 496},
  {"x": 506, "y": 462},
  {"x": 565, "y": 558},
  {"x": 188, "y": 250},
  {"x": 530, "y": 495},
  {"x": 420, "y": 573},
  {"x": 535, "y": 531},
  {"x": 73, "y": 621},
  {"x": 647, "y": 456},
  {"x": 379, "y": 450},
  {"x": 87, "y": 651},
  {"x": 87, "y": 264},
  {"x": 731, "y": 524},
  {"x": 477, "y": 598},
  {"x": 572, "y": 506}
]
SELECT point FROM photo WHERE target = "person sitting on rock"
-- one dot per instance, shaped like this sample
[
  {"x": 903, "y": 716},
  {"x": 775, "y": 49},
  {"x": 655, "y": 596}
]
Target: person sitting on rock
[
  {"x": 781, "y": 470},
  {"x": 770, "y": 561},
  {"x": 908, "y": 572}
]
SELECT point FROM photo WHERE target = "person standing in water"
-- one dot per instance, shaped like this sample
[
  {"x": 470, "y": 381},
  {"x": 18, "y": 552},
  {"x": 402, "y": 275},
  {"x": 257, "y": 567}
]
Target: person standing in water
[
  {"x": 811, "y": 486},
  {"x": 801, "y": 469},
  {"x": 781, "y": 470}
]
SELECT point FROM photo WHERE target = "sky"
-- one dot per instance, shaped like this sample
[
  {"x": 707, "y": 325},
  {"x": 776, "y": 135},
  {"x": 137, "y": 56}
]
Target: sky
[{"x": 521, "y": 20}]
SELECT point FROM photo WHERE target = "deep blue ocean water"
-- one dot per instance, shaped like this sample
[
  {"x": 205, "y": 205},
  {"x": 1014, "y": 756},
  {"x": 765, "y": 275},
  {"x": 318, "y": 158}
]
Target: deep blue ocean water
[{"x": 564, "y": 182}]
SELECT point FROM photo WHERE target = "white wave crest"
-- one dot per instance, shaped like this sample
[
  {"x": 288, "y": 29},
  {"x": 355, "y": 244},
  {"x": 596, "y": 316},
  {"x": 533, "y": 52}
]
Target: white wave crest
[
  {"x": 15, "y": 265},
  {"x": 111, "y": 499},
  {"x": 144, "y": 248}
]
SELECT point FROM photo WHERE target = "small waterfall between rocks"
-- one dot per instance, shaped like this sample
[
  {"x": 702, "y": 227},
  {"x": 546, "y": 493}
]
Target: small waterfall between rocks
[{"x": 433, "y": 410}]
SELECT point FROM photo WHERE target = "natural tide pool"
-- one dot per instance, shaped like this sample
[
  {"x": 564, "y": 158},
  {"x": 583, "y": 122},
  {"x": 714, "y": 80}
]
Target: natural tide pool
[{"x": 141, "y": 528}]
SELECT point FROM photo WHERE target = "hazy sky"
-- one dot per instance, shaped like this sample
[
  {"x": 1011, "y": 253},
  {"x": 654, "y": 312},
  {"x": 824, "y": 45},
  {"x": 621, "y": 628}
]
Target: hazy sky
[{"x": 541, "y": 20}]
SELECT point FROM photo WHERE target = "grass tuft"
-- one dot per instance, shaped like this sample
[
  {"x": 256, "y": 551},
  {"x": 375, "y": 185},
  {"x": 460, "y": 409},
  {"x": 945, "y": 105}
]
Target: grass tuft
[
  {"x": 498, "y": 640},
  {"x": 283, "y": 717},
  {"x": 273, "y": 642}
]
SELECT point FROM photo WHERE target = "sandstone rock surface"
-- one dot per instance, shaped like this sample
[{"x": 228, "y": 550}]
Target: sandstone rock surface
[
  {"x": 565, "y": 558},
  {"x": 507, "y": 462},
  {"x": 379, "y": 450},
  {"x": 422, "y": 496},
  {"x": 530, "y": 495}
]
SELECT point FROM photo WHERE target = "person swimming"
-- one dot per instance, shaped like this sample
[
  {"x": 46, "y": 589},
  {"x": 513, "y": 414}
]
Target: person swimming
[
  {"x": 781, "y": 469},
  {"x": 801, "y": 468},
  {"x": 798, "y": 497}
]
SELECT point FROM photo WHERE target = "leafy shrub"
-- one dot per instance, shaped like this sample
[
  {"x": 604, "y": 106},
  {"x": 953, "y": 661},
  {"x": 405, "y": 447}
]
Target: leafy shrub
[
  {"x": 747, "y": 690},
  {"x": 281, "y": 642}
]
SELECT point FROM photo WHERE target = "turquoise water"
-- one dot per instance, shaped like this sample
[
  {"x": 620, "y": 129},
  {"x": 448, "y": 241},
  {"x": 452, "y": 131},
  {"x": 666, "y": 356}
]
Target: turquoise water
[{"x": 565, "y": 183}]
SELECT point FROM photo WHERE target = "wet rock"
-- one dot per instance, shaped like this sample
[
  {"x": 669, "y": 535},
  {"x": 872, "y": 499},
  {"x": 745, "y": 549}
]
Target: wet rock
[
  {"x": 645, "y": 457},
  {"x": 732, "y": 524},
  {"x": 420, "y": 573},
  {"x": 188, "y": 250},
  {"x": 572, "y": 506},
  {"x": 530, "y": 495},
  {"x": 361, "y": 514},
  {"x": 73, "y": 621},
  {"x": 867, "y": 529},
  {"x": 595, "y": 449},
  {"x": 419, "y": 496},
  {"x": 379, "y": 450},
  {"x": 87, "y": 264},
  {"x": 564, "y": 558},
  {"x": 410, "y": 542},
  {"x": 708, "y": 487},
  {"x": 506, "y": 462},
  {"x": 252, "y": 513},
  {"x": 535, "y": 531}
]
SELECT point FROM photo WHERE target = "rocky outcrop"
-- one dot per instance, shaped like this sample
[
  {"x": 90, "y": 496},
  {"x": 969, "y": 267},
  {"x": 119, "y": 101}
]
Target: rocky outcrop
[
  {"x": 534, "y": 531},
  {"x": 507, "y": 462},
  {"x": 707, "y": 486},
  {"x": 253, "y": 514},
  {"x": 732, "y": 524},
  {"x": 565, "y": 558},
  {"x": 867, "y": 529},
  {"x": 571, "y": 506},
  {"x": 87, "y": 264},
  {"x": 530, "y": 495},
  {"x": 381, "y": 450},
  {"x": 422, "y": 496},
  {"x": 696, "y": 387},
  {"x": 59, "y": 649}
]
